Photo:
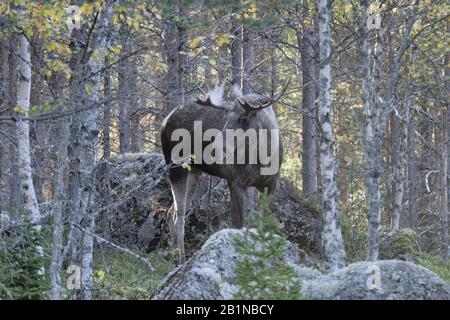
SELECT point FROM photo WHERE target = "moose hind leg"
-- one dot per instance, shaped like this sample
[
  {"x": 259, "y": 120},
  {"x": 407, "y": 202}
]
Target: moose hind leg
[{"x": 178, "y": 182}]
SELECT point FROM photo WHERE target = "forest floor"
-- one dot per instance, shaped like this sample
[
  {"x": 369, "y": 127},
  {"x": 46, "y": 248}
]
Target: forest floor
[{"x": 120, "y": 277}]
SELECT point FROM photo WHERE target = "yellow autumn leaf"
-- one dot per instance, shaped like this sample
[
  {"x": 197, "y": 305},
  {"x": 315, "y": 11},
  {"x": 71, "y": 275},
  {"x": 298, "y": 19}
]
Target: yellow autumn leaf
[
  {"x": 117, "y": 49},
  {"x": 348, "y": 8},
  {"x": 95, "y": 56},
  {"x": 68, "y": 73},
  {"x": 87, "y": 9},
  {"x": 252, "y": 8},
  {"x": 194, "y": 42},
  {"x": 186, "y": 166},
  {"x": 222, "y": 39}
]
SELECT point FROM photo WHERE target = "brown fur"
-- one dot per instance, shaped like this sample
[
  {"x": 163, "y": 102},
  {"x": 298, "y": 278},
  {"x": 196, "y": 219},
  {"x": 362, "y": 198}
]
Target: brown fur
[{"x": 239, "y": 176}]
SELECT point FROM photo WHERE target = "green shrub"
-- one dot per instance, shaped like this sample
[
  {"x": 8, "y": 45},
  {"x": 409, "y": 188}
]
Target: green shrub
[
  {"x": 262, "y": 273},
  {"x": 401, "y": 245},
  {"x": 20, "y": 264}
]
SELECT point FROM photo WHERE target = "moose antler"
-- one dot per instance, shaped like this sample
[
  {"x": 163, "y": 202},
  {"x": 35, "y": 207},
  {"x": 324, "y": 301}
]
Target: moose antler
[
  {"x": 248, "y": 106},
  {"x": 214, "y": 98}
]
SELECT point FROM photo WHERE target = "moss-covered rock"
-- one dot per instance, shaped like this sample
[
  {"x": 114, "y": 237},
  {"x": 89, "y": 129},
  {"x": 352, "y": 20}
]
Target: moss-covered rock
[{"x": 401, "y": 245}]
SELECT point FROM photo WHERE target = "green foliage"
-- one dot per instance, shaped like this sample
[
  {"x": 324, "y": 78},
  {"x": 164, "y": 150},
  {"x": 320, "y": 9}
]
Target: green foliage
[
  {"x": 117, "y": 276},
  {"x": 354, "y": 232},
  {"x": 403, "y": 245},
  {"x": 20, "y": 264},
  {"x": 262, "y": 274},
  {"x": 437, "y": 265}
]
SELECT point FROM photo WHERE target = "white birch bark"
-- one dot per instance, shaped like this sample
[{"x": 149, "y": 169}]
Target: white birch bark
[
  {"x": 23, "y": 138},
  {"x": 87, "y": 157},
  {"x": 371, "y": 143},
  {"x": 333, "y": 244},
  {"x": 376, "y": 113},
  {"x": 23, "y": 132},
  {"x": 59, "y": 200}
]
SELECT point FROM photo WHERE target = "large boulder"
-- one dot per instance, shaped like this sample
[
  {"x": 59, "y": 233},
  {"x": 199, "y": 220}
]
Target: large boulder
[
  {"x": 379, "y": 280},
  {"x": 134, "y": 198},
  {"x": 137, "y": 203},
  {"x": 210, "y": 274}
]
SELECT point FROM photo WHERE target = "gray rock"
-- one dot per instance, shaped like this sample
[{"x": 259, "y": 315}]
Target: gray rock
[
  {"x": 398, "y": 280},
  {"x": 210, "y": 274},
  {"x": 136, "y": 199}
]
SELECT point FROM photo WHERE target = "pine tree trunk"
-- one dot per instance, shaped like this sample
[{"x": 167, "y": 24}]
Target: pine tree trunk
[
  {"x": 444, "y": 184},
  {"x": 413, "y": 179},
  {"x": 445, "y": 167},
  {"x": 309, "y": 124},
  {"x": 398, "y": 170},
  {"x": 124, "y": 92},
  {"x": 14, "y": 183},
  {"x": 107, "y": 114}
]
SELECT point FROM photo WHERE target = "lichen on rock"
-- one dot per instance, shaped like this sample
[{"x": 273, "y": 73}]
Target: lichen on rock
[{"x": 210, "y": 274}]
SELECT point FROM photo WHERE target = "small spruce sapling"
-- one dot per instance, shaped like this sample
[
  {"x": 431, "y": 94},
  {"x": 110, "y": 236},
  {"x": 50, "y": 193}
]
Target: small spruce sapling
[{"x": 262, "y": 273}]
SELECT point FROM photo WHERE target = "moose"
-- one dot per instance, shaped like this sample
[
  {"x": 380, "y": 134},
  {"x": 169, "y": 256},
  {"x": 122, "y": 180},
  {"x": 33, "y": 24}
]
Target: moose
[{"x": 249, "y": 111}]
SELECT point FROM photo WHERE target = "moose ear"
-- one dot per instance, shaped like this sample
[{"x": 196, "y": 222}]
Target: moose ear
[{"x": 235, "y": 92}]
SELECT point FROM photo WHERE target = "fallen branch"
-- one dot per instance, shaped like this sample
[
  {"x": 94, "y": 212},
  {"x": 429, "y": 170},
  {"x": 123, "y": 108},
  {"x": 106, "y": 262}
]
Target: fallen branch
[{"x": 125, "y": 251}]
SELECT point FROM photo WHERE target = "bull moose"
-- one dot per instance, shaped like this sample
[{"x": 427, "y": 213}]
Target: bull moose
[{"x": 243, "y": 114}]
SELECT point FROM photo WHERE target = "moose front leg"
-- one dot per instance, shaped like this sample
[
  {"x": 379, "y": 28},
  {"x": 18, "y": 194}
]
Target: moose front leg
[{"x": 237, "y": 205}]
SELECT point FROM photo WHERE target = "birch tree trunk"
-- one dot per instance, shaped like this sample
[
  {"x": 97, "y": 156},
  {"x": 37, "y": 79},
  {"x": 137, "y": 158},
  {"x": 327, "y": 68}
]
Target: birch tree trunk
[
  {"x": 88, "y": 158},
  {"x": 333, "y": 244},
  {"x": 371, "y": 142},
  {"x": 58, "y": 209},
  {"x": 23, "y": 137},
  {"x": 82, "y": 147},
  {"x": 23, "y": 131}
]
